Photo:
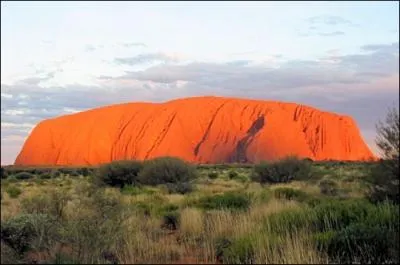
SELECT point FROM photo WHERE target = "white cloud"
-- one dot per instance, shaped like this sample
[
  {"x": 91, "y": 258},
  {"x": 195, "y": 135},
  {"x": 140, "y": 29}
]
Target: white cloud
[
  {"x": 5, "y": 95},
  {"x": 7, "y": 125}
]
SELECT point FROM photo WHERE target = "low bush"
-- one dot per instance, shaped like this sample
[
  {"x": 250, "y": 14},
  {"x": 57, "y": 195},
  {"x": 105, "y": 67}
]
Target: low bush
[
  {"x": 228, "y": 200},
  {"x": 12, "y": 179},
  {"x": 96, "y": 226},
  {"x": 55, "y": 173},
  {"x": 238, "y": 251},
  {"x": 3, "y": 173},
  {"x": 8, "y": 255},
  {"x": 181, "y": 187},
  {"x": 74, "y": 173},
  {"x": 52, "y": 203},
  {"x": 163, "y": 170},
  {"x": 24, "y": 175},
  {"x": 62, "y": 258},
  {"x": 119, "y": 173},
  {"x": 136, "y": 190},
  {"x": 335, "y": 215},
  {"x": 213, "y": 175},
  {"x": 84, "y": 171},
  {"x": 285, "y": 170},
  {"x": 232, "y": 174},
  {"x": 221, "y": 244},
  {"x": 384, "y": 180},
  {"x": 360, "y": 243},
  {"x": 20, "y": 232},
  {"x": 290, "y": 194},
  {"x": 288, "y": 221},
  {"x": 328, "y": 187},
  {"x": 13, "y": 191},
  {"x": 241, "y": 178},
  {"x": 171, "y": 220},
  {"x": 131, "y": 190},
  {"x": 45, "y": 176}
]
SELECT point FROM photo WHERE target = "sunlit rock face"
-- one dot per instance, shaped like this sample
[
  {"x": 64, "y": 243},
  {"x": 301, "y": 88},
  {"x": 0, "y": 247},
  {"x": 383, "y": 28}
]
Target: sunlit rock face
[{"x": 200, "y": 130}]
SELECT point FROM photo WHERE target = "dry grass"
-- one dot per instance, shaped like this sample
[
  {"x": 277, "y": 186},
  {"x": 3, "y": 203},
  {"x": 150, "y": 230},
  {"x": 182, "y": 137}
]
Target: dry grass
[
  {"x": 261, "y": 211},
  {"x": 192, "y": 222},
  {"x": 219, "y": 186},
  {"x": 295, "y": 248}
]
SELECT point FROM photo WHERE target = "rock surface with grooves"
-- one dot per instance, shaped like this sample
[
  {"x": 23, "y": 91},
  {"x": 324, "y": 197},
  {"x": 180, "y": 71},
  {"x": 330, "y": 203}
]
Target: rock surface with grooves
[{"x": 199, "y": 129}]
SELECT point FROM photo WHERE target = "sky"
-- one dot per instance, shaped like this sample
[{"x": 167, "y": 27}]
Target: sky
[{"x": 63, "y": 57}]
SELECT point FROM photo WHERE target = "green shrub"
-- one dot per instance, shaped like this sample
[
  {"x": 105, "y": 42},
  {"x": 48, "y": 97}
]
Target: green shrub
[
  {"x": 328, "y": 187},
  {"x": 265, "y": 196},
  {"x": 24, "y": 175},
  {"x": 213, "y": 175},
  {"x": 385, "y": 176},
  {"x": 289, "y": 221},
  {"x": 13, "y": 191},
  {"x": 8, "y": 255},
  {"x": 62, "y": 258},
  {"x": 359, "y": 243},
  {"x": 84, "y": 171},
  {"x": 52, "y": 203},
  {"x": 163, "y": 170},
  {"x": 284, "y": 170},
  {"x": 55, "y": 173},
  {"x": 384, "y": 180},
  {"x": 143, "y": 208},
  {"x": 337, "y": 214},
  {"x": 45, "y": 176},
  {"x": 74, "y": 173},
  {"x": 12, "y": 179},
  {"x": 181, "y": 187},
  {"x": 232, "y": 174},
  {"x": 349, "y": 231},
  {"x": 135, "y": 190},
  {"x": 90, "y": 233},
  {"x": 20, "y": 232},
  {"x": 228, "y": 200},
  {"x": 3, "y": 173},
  {"x": 290, "y": 194},
  {"x": 171, "y": 220},
  {"x": 119, "y": 173},
  {"x": 239, "y": 251},
  {"x": 241, "y": 178},
  {"x": 131, "y": 190},
  {"x": 38, "y": 204},
  {"x": 67, "y": 170},
  {"x": 221, "y": 244}
]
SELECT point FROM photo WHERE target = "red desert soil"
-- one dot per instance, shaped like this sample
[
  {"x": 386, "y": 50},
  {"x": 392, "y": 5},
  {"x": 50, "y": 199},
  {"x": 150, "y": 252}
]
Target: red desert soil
[{"x": 199, "y": 129}]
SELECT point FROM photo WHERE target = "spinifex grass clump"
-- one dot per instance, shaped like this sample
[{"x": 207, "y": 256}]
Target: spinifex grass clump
[{"x": 227, "y": 201}]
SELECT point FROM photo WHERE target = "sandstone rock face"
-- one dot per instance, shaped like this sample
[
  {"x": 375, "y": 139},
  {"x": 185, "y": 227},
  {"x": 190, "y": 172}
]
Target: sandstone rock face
[{"x": 200, "y": 129}]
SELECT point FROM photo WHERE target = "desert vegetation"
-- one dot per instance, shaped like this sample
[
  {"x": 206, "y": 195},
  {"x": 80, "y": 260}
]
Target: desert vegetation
[
  {"x": 166, "y": 210},
  {"x": 173, "y": 212}
]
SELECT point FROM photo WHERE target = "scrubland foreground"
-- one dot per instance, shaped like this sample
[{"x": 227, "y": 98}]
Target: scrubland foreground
[{"x": 167, "y": 211}]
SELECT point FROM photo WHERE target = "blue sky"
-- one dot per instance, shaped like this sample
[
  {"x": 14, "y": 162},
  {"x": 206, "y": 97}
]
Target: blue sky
[{"x": 63, "y": 57}]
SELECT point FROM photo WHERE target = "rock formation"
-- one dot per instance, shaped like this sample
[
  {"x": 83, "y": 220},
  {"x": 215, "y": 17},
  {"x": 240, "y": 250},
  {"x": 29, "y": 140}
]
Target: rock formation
[{"x": 200, "y": 129}]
